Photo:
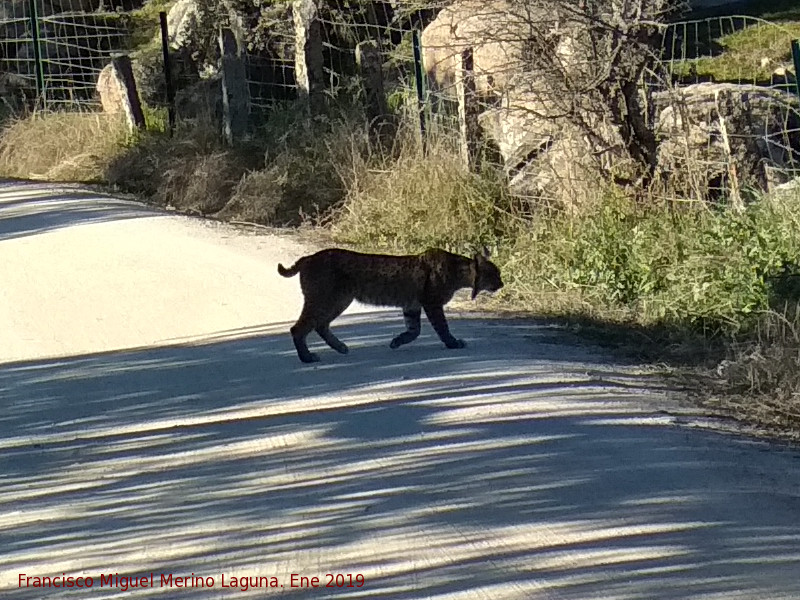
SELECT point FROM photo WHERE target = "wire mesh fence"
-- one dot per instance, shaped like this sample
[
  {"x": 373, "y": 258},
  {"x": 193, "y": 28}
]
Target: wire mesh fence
[
  {"x": 734, "y": 77},
  {"x": 55, "y": 52},
  {"x": 738, "y": 49}
]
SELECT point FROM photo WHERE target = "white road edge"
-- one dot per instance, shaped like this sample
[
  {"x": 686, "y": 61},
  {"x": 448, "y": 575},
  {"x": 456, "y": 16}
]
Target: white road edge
[{"x": 157, "y": 429}]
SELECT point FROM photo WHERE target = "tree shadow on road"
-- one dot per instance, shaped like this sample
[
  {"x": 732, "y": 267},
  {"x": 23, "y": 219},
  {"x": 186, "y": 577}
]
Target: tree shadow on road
[
  {"x": 29, "y": 208},
  {"x": 515, "y": 468}
]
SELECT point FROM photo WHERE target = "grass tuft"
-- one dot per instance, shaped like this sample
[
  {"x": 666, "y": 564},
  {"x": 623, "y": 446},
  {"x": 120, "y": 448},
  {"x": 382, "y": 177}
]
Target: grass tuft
[
  {"x": 62, "y": 146},
  {"x": 403, "y": 201}
]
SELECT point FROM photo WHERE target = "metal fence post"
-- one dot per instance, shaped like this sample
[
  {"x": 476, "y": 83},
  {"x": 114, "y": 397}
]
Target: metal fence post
[
  {"x": 167, "y": 71},
  {"x": 37, "y": 50},
  {"x": 796, "y": 57},
  {"x": 418, "y": 75},
  {"x": 468, "y": 110}
]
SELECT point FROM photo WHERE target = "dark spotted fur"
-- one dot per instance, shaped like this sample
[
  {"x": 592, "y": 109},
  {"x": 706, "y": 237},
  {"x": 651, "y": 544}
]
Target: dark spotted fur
[{"x": 332, "y": 279}]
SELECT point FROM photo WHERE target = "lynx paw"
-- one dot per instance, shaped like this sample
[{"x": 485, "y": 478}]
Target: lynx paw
[{"x": 311, "y": 357}]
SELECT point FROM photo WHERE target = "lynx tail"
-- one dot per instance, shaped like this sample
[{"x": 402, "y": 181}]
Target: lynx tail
[{"x": 290, "y": 272}]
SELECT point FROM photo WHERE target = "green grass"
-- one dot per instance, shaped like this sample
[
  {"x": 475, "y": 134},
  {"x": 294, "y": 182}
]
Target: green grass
[
  {"x": 750, "y": 55},
  {"x": 145, "y": 22}
]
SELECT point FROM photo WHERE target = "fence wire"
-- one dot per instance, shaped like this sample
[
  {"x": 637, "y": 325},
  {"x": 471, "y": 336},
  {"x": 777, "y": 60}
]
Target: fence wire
[
  {"x": 720, "y": 47},
  {"x": 55, "y": 52}
]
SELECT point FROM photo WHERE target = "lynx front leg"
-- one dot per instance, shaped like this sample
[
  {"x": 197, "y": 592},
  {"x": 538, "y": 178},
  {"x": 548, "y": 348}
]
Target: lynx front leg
[
  {"x": 412, "y": 318},
  {"x": 436, "y": 316}
]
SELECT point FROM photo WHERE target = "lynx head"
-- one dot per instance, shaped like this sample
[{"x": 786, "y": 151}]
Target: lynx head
[{"x": 487, "y": 275}]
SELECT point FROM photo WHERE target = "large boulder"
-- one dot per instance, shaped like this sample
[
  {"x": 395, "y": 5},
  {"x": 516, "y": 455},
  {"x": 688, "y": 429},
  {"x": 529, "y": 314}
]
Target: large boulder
[
  {"x": 713, "y": 139},
  {"x": 721, "y": 137},
  {"x": 492, "y": 28},
  {"x": 548, "y": 157},
  {"x": 111, "y": 90},
  {"x": 118, "y": 94},
  {"x": 556, "y": 99},
  {"x": 507, "y": 38}
]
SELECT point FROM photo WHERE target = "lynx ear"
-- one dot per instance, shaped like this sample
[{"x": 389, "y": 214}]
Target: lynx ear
[{"x": 486, "y": 252}]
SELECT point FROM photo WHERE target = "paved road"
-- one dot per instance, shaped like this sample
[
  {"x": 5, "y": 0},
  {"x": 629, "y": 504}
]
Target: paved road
[{"x": 156, "y": 423}]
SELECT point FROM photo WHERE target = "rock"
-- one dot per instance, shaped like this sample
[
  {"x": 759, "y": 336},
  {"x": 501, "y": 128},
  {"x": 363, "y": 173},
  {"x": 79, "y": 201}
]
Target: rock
[
  {"x": 546, "y": 155},
  {"x": 712, "y": 139},
  {"x": 523, "y": 123},
  {"x": 506, "y": 36},
  {"x": 492, "y": 28},
  {"x": 117, "y": 90},
  {"x": 110, "y": 90},
  {"x": 529, "y": 60},
  {"x": 718, "y": 137}
]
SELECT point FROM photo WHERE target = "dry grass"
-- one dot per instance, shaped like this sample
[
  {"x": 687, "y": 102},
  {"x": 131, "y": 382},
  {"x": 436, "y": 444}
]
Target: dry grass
[
  {"x": 288, "y": 171},
  {"x": 193, "y": 172},
  {"x": 404, "y": 201},
  {"x": 764, "y": 373},
  {"x": 62, "y": 146}
]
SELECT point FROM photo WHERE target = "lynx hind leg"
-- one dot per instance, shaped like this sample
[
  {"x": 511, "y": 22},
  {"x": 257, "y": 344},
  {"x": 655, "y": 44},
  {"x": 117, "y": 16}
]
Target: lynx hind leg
[
  {"x": 411, "y": 316},
  {"x": 334, "y": 308},
  {"x": 436, "y": 316}
]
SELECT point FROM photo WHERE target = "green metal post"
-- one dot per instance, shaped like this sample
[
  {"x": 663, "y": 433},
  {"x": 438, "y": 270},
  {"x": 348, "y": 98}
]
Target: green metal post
[
  {"x": 162, "y": 16},
  {"x": 418, "y": 75}
]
